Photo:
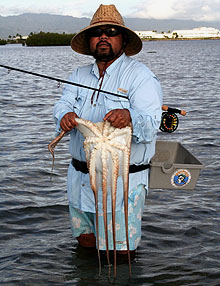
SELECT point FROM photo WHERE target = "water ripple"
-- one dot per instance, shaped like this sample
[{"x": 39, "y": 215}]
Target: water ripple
[{"x": 181, "y": 229}]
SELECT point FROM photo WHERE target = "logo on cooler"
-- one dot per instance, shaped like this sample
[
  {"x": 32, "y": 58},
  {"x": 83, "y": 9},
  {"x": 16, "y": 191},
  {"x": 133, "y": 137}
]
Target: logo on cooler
[{"x": 180, "y": 178}]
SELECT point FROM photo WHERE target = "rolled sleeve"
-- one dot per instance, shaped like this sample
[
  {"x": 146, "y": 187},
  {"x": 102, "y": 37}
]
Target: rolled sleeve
[
  {"x": 65, "y": 104},
  {"x": 145, "y": 107}
]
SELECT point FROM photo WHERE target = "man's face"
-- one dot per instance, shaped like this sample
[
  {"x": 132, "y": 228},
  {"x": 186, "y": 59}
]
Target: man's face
[{"x": 105, "y": 43}]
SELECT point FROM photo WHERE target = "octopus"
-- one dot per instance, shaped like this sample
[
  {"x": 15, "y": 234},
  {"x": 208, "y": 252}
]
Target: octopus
[{"x": 107, "y": 152}]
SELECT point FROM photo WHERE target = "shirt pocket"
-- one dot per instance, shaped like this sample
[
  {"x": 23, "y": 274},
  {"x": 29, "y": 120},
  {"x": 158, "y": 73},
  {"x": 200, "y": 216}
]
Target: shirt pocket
[{"x": 115, "y": 102}]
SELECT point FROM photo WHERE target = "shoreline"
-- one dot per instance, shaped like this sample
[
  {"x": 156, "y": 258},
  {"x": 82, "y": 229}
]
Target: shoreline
[
  {"x": 143, "y": 40},
  {"x": 180, "y": 39}
]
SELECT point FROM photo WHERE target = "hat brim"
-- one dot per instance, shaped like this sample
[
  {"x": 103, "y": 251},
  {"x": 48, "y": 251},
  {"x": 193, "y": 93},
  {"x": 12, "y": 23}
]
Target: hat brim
[{"x": 79, "y": 42}]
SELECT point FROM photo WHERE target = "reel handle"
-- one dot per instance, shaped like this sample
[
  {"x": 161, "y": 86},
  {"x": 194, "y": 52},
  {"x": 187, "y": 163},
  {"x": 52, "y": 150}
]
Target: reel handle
[{"x": 173, "y": 110}]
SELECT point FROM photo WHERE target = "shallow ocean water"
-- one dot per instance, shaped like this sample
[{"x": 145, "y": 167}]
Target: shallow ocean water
[{"x": 181, "y": 228}]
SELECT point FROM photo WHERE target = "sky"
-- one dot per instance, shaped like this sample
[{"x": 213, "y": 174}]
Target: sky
[{"x": 197, "y": 10}]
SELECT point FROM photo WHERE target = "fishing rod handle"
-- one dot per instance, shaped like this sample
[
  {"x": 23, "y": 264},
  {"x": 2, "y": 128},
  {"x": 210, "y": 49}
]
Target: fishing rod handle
[{"x": 174, "y": 110}]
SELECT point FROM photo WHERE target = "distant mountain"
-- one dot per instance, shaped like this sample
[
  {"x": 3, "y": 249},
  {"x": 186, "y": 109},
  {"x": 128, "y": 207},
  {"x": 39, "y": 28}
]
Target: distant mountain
[
  {"x": 140, "y": 24},
  {"x": 24, "y": 24}
]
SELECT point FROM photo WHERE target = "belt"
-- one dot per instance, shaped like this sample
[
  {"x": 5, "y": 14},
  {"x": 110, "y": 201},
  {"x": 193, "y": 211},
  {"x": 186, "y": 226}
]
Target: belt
[{"x": 82, "y": 167}]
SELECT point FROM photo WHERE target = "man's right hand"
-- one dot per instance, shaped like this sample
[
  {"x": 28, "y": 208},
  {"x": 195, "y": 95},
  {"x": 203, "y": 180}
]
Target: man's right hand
[{"x": 68, "y": 121}]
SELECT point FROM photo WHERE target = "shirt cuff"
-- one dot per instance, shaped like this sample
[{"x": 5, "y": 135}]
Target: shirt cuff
[{"x": 58, "y": 128}]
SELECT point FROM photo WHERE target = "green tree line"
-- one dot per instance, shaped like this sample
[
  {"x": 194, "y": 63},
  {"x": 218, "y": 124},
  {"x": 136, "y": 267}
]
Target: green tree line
[
  {"x": 3, "y": 42},
  {"x": 49, "y": 39}
]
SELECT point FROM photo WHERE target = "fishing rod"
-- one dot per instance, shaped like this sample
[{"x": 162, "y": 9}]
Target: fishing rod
[
  {"x": 59, "y": 80},
  {"x": 169, "y": 120}
]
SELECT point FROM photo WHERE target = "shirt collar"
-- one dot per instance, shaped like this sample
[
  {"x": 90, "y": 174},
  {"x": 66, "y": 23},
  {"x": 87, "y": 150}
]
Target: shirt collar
[{"x": 95, "y": 69}]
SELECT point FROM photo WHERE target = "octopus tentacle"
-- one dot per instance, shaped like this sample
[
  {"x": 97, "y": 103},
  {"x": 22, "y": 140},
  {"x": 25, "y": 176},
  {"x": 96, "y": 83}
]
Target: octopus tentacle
[
  {"x": 104, "y": 199},
  {"x": 94, "y": 187},
  {"x": 114, "y": 176},
  {"x": 88, "y": 127},
  {"x": 125, "y": 176},
  {"x": 123, "y": 133},
  {"x": 53, "y": 144}
]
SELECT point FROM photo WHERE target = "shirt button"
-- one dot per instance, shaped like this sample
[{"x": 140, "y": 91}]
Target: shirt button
[{"x": 83, "y": 185}]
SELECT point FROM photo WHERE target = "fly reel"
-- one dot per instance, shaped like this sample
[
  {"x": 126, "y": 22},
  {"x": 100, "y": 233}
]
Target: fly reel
[
  {"x": 169, "y": 122},
  {"x": 169, "y": 119}
]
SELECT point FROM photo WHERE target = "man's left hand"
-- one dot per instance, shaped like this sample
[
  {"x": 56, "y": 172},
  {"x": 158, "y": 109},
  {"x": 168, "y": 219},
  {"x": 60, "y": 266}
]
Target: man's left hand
[{"x": 119, "y": 118}]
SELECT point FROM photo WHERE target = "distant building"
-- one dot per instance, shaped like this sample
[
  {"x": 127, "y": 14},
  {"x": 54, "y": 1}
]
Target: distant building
[
  {"x": 202, "y": 32},
  {"x": 150, "y": 35},
  {"x": 20, "y": 38}
]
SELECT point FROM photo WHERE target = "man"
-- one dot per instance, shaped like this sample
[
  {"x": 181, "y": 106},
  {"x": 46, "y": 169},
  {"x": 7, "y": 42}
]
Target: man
[{"x": 111, "y": 43}]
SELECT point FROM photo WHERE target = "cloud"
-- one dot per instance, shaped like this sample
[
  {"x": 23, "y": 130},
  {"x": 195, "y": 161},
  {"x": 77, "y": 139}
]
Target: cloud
[
  {"x": 198, "y": 10},
  {"x": 70, "y": 8}
]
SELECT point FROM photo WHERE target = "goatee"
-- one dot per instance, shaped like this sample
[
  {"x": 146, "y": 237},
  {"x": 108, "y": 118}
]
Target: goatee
[{"x": 105, "y": 56}]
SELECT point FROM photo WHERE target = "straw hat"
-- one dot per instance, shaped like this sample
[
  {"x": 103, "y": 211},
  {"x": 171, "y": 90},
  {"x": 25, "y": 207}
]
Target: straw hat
[{"x": 106, "y": 15}]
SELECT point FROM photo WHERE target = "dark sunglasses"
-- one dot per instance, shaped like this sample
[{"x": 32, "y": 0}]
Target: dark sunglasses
[{"x": 109, "y": 32}]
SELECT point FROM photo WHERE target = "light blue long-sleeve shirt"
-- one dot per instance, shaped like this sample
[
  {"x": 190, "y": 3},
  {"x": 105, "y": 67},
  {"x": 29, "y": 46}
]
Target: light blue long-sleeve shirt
[{"x": 126, "y": 77}]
